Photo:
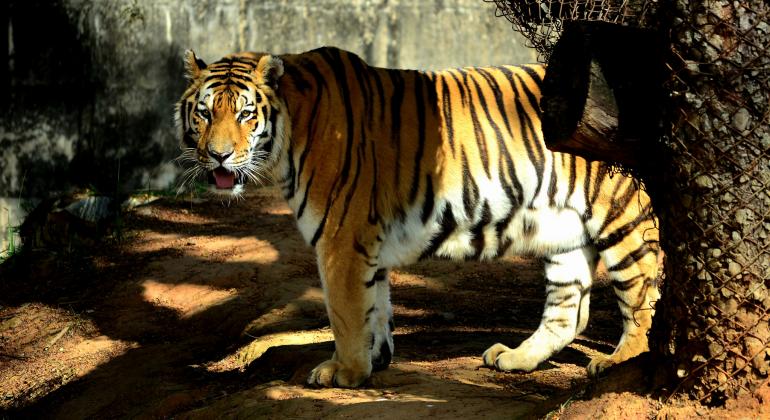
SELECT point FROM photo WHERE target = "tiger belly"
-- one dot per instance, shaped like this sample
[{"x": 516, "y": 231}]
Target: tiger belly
[{"x": 491, "y": 233}]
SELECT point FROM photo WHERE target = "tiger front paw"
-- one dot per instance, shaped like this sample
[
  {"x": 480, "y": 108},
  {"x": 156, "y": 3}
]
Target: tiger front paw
[
  {"x": 598, "y": 364},
  {"x": 503, "y": 358},
  {"x": 333, "y": 374}
]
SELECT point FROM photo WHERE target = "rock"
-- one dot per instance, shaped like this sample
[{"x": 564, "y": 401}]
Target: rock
[
  {"x": 90, "y": 209},
  {"x": 704, "y": 181},
  {"x": 742, "y": 216},
  {"x": 741, "y": 119},
  {"x": 734, "y": 268}
]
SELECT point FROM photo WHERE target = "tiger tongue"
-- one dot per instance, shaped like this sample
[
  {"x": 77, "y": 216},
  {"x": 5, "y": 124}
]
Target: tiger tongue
[{"x": 224, "y": 178}]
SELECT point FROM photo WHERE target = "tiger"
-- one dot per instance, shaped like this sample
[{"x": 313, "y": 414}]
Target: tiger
[{"x": 385, "y": 167}]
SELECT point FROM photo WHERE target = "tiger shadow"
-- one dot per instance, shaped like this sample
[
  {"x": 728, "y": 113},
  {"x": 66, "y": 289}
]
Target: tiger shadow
[{"x": 173, "y": 350}]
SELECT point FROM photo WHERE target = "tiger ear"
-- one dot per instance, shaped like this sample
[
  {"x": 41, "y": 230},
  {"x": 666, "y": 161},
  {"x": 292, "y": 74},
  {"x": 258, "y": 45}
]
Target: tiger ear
[
  {"x": 271, "y": 70},
  {"x": 193, "y": 65}
]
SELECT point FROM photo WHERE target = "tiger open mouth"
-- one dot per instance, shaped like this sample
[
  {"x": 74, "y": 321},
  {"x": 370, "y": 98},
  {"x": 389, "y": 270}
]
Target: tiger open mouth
[{"x": 224, "y": 179}]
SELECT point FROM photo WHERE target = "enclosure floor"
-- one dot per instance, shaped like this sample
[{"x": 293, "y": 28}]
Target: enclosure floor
[{"x": 204, "y": 309}]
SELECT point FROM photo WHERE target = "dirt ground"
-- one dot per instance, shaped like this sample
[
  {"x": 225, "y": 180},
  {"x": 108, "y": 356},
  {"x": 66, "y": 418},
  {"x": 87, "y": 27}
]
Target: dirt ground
[{"x": 205, "y": 310}]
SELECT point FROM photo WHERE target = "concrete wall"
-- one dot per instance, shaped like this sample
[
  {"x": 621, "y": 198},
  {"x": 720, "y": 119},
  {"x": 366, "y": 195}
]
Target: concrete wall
[{"x": 88, "y": 85}]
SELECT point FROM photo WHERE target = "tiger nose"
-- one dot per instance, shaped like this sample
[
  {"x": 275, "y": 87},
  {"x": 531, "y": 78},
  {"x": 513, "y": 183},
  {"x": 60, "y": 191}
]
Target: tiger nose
[{"x": 220, "y": 156}]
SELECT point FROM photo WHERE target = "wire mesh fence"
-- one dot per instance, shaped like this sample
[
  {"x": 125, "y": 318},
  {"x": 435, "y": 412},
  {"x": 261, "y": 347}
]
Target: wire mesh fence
[
  {"x": 718, "y": 297},
  {"x": 713, "y": 322},
  {"x": 541, "y": 21}
]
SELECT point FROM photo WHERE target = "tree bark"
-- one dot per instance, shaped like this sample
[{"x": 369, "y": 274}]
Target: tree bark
[{"x": 713, "y": 322}]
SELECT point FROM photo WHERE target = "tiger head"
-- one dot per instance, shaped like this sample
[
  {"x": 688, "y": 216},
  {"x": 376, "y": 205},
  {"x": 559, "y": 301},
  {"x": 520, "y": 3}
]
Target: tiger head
[{"x": 229, "y": 120}]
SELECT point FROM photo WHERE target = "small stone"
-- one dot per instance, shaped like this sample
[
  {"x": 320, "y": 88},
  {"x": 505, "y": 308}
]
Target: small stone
[
  {"x": 704, "y": 181},
  {"x": 715, "y": 349},
  {"x": 765, "y": 141},
  {"x": 734, "y": 268},
  {"x": 715, "y": 252},
  {"x": 736, "y": 237},
  {"x": 742, "y": 216},
  {"x": 741, "y": 119}
]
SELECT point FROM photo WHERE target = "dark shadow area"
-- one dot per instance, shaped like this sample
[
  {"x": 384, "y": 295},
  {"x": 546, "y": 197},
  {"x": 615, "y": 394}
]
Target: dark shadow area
[
  {"x": 73, "y": 111},
  {"x": 105, "y": 285}
]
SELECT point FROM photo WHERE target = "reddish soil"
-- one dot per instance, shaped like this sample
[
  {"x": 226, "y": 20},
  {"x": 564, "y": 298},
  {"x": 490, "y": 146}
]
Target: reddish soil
[{"x": 204, "y": 310}]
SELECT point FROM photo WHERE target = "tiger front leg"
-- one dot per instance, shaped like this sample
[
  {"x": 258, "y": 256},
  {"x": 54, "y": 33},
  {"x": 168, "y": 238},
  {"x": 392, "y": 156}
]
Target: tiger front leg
[
  {"x": 381, "y": 319},
  {"x": 350, "y": 294},
  {"x": 568, "y": 283}
]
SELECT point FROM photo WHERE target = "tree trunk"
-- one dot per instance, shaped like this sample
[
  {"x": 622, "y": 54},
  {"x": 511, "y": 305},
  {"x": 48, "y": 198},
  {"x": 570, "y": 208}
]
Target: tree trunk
[{"x": 712, "y": 324}]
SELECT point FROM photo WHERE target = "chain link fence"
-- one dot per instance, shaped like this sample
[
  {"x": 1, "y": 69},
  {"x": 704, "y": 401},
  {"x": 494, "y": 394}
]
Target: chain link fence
[
  {"x": 718, "y": 292},
  {"x": 713, "y": 322},
  {"x": 541, "y": 21}
]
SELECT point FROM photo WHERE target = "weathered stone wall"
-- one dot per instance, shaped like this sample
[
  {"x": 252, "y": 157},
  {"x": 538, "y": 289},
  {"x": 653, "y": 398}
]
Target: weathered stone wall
[{"x": 88, "y": 86}]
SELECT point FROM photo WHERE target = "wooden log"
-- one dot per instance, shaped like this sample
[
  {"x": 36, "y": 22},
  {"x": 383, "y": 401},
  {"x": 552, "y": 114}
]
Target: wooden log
[{"x": 602, "y": 93}]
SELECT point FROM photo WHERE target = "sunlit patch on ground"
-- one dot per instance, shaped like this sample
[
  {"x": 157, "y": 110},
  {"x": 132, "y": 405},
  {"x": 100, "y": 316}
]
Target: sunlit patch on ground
[{"x": 186, "y": 299}]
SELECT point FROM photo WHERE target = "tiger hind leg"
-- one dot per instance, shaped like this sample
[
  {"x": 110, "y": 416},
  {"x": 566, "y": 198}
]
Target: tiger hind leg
[
  {"x": 568, "y": 284},
  {"x": 634, "y": 279},
  {"x": 381, "y": 320}
]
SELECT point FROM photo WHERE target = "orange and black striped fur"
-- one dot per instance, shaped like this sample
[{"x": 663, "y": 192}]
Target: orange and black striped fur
[{"x": 384, "y": 167}]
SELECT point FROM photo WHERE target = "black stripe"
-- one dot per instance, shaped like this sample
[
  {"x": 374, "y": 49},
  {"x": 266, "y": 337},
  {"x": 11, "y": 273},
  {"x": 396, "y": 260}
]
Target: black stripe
[
  {"x": 419, "y": 103},
  {"x": 460, "y": 88},
  {"x": 528, "y": 226},
  {"x": 503, "y": 243},
  {"x": 319, "y": 230},
  {"x": 477, "y": 231},
  {"x": 601, "y": 175},
  {"x": 552, "y": 184},
  {"x": 336, "y": 62},
  {"x": 631, "y": 258},
  {"x": 533, "y": 100},
  {"x": 618, "y": 205},
  {"x": 352, "y": 188},
  {"x": 427, "y": 206},
  {"x": 561, "y": 322},
  {"x": 497, "y": 91},
  {"x": 301, "y": 208},
  {"x": 470, "y": 189},
  {"x": 572, "y": 175},
  {"x": 380, "y": 94},
  {"x": 573, "y": 283},
  {"x": 481, "y": 141},
  {"x": 560, "y": 301},
  {"x": 373, "y": 215},
  {"x": 446, "y": 110},
  {"x": 238, "y": 84},
  {"x": 396, "y": 102},
  {"x": 490, "y": 120},
  {"x": 624, "y": 285},
  {"x": 586, "y": 191},
  {"x": 313, "y": 120},
  {"x": 299, "y": 82},
  {"x": 359, "y": 70},
  {"x": 361, "y": 249},
  {"x": 448, "y": 225},
  {"x": 291, "y": 175},
  {"x": 615, "y": 237},
  {"x": 380, "y": 275},
  {"x": 527, "y": 134}
]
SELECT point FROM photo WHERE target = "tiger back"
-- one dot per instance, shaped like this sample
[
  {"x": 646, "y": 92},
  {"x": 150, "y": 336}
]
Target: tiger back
[{"x": 385, "y": 167}]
